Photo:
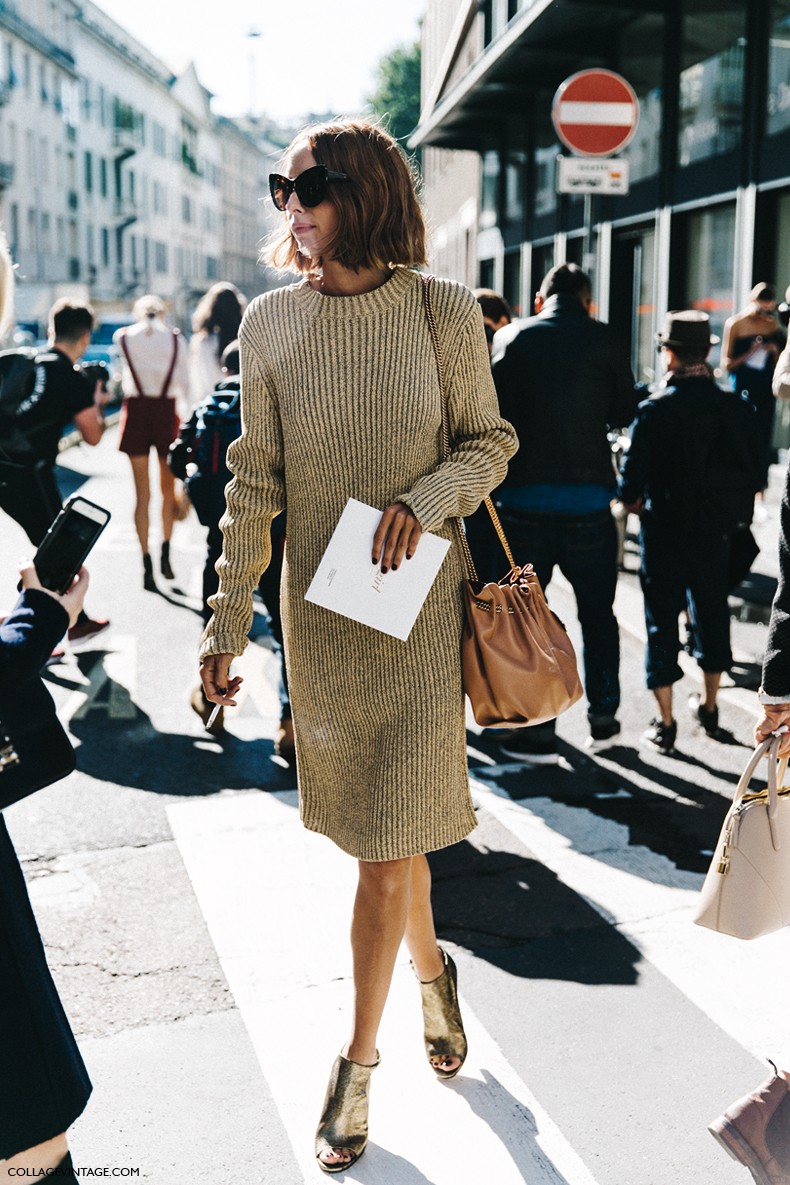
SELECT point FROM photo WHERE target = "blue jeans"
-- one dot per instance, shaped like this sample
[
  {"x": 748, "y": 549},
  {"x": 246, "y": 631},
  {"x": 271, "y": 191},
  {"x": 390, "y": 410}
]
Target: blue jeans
[{"x": 584, "y": 548}]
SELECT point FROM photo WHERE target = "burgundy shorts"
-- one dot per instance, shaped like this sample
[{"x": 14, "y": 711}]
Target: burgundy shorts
[{"x": 147, "y": 423}]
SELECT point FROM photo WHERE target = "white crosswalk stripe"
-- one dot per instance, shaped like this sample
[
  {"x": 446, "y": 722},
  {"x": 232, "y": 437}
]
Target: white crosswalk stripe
[{"x": 277, "y": 901}]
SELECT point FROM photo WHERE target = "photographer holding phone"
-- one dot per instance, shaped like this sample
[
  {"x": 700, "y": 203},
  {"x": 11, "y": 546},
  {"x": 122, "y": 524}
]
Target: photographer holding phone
[
  {"x": 61, "y": 393},
  {"x": 44, "y": 1085}
]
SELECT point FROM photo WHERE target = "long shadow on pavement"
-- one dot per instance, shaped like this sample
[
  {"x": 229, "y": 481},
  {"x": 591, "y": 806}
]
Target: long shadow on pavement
[{"x": 513, "y": 912}]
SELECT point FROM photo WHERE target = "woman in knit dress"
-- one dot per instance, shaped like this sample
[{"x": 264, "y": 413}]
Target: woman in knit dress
[{"x": 341, "y": 399}]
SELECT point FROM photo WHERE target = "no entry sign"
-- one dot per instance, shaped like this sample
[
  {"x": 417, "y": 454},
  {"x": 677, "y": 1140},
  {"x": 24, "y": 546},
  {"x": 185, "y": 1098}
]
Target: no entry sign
[{"x": 595, "y": 112}]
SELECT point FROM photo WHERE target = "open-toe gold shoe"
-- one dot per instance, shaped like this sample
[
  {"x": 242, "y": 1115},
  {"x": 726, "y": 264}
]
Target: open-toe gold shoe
[
  {"x": 444, "y": 1029},
  {"x": 344, "y": 1119}
]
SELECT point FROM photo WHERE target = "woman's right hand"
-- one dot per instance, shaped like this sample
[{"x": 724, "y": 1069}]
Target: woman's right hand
[
  {"x": 774, "y": 717},
  {"x": 72, "y": 600},
  {"x": 218, "y": 685}
]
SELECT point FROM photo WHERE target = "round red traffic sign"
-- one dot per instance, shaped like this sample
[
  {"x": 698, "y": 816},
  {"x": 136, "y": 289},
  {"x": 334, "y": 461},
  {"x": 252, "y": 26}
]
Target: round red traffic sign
[{"x": 595, "y": 112}]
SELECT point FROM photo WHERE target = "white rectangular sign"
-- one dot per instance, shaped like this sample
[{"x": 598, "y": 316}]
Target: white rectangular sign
[
  {"x": 349, "y": 583},
  {"x": 585, "y": 174}
]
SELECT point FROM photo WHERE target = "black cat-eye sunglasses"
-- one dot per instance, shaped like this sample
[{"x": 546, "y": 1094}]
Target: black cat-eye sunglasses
[{"x": 310, "y": 186}]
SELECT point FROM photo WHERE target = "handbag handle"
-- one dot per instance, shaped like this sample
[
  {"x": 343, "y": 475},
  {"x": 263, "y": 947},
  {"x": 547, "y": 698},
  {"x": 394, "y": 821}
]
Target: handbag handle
[
  {"x": 471, "y": 571},
  {"x": 768, "y": 748}
]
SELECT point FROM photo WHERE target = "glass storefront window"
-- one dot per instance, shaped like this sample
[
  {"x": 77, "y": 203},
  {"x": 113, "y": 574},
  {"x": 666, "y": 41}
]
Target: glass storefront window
[
  {"x": 779, "y": 69},
  {"x": 710, "y": 238},
  {"x": 644, "y": 151},
  {"x": 641, "y": 63},
  {"x": 490, "y": 186},
  {"x": 711, "y": 83},
  {"x": 514, "y": 187},
  {"x": 542, "y": 263},
  {"x": 545, "y": 197},
  {"x": 512, "y": 281},
  {"x": 644, "y": 346}
]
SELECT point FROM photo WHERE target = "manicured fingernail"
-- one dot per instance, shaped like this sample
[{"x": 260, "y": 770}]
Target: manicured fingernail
[{"x": 394, "y": 567}]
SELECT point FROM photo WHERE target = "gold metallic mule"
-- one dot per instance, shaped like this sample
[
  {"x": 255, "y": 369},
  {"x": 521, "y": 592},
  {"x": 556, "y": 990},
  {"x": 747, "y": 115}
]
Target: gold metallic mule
[
  {"x": 344, "y": 1119},
  {"x": 444, "y": 1029}
]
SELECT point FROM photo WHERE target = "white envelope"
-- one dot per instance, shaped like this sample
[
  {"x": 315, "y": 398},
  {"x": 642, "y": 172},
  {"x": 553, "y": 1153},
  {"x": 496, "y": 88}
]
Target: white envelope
[{"x": 349, "y": 583}]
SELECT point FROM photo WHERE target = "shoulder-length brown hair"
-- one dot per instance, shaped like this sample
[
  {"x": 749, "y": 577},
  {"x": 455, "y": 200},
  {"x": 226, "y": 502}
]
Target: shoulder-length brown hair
[{"x": 379, "y": 217}]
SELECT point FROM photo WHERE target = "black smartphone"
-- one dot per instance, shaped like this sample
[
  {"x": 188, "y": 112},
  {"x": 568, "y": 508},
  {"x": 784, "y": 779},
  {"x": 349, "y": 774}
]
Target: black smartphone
[{"x": 68, "y": 541}]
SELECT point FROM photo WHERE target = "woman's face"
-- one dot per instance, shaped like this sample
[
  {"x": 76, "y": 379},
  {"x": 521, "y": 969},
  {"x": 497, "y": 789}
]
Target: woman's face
[{"x": 314, "y": 227}]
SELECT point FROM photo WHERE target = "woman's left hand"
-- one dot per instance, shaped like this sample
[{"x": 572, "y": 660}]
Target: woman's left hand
[
  {"x": 397, "y": 534},
  {"x": 72, "y": 600}
]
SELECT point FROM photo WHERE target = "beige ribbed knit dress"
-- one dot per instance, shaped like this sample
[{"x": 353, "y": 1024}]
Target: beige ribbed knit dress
[{"x": 340, "y": 399}]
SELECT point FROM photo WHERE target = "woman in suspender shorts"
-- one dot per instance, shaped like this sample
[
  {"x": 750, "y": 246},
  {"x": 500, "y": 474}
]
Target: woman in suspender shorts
[{"x": 155, "y": 374}]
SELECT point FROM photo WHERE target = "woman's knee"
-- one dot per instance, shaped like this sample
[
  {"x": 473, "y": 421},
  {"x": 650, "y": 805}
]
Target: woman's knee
[{"x": 388, "y": 878}]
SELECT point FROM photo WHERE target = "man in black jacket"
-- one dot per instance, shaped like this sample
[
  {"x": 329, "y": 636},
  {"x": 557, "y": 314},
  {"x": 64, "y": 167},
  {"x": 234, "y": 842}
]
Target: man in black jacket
[
  {"x": 563, "y": 382},
  {"x": 62, "y": 393},
  {"x": 691, "y": 473}
]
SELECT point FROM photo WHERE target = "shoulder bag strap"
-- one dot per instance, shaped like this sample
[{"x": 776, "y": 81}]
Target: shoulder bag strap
[
  {"x": 173, "y": 360},
  {"x": 129, "y": 363},
  {"x": 437, "y": 349}
]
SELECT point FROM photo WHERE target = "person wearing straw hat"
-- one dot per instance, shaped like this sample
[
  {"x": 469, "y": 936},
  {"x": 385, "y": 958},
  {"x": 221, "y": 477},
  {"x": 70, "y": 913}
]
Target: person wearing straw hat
[{"x": 691, "y": 474}]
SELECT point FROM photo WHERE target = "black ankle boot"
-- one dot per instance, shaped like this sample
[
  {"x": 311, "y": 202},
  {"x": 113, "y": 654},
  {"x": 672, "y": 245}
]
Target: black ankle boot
[
  {"x": 164, "y": 563},
  {"x": 148, "y": 573}
]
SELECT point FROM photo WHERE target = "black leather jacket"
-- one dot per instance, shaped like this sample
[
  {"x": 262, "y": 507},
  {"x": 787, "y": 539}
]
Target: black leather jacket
[{"x": 562, "y": 381}]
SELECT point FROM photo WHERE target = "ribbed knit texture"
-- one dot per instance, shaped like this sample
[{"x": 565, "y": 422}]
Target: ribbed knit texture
[{"x": 340, "y": 399}]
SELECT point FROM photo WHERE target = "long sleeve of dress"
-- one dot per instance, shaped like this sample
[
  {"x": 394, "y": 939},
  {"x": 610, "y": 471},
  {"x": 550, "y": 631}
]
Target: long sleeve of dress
[
  {"x": 481, "y": 442},
  {"x": 254, "y": 497}
]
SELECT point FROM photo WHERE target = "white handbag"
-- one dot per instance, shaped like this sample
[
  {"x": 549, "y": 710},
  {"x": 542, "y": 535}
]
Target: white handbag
[{"x": 747, "y": 890}]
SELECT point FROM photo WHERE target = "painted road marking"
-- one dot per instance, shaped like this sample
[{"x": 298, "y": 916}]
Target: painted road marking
[
  {"x": 277, "y": 901},
  {"x": 651, "y": 902}
]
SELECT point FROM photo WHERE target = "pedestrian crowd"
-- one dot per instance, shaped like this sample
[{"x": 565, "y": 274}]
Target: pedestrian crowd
[{"x": 327, "y": 390}]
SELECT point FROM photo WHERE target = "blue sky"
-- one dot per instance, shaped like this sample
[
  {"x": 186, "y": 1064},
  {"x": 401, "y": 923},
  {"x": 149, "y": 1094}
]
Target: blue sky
[{"x": 311, "y": 55}]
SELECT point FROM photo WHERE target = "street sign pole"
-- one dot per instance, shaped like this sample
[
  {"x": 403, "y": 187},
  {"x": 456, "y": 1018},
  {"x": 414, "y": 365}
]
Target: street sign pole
[{"x": 595, "y": 114}]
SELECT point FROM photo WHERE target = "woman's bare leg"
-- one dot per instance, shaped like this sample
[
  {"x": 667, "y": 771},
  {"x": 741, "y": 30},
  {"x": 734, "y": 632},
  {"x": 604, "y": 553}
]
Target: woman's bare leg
[
  {"x": 168, "y": 486},
  {"x": 381, "y": 908},
  {"x": 142, "y": 491}
]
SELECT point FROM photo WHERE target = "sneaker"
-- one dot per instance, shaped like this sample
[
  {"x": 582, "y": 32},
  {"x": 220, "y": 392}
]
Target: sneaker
[
  {"x": 603, "y": 729},
  {"x": 532, "y": 750},
  {"x": 755, "y": 1131},
  {"x": 661, "y": 736},
  {"x": 708, "y": 720},
  {"x": 204, "y": 707},
  {"x": 86, "y": 630}
]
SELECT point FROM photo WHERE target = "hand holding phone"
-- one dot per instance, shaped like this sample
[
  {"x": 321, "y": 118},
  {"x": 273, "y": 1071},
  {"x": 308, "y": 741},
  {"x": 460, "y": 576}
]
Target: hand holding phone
[
  {"x": 72, "y": 601},
  {"x": 67, "y": 543}
]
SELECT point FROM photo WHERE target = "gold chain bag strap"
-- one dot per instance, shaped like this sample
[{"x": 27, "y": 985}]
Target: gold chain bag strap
[{"x": 518, "y": 663}]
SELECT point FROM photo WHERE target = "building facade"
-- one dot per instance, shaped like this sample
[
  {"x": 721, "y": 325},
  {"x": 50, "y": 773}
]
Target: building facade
[
  {"x": 115, "y": 176},
  {"x": 708, "y": 211}
]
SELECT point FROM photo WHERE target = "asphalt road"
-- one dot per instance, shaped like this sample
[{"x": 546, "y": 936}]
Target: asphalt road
[{"x": 198, "y": 934}]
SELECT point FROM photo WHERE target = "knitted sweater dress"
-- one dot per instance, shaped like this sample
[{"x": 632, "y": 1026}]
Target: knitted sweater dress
[{"x": 340, "y": 399}]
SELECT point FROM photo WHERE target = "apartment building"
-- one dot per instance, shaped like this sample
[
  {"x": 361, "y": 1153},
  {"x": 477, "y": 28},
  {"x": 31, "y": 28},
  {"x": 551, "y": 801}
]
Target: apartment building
[
  {"x": 708, "y": 212},
  {"x": 115, "y": 176}
]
